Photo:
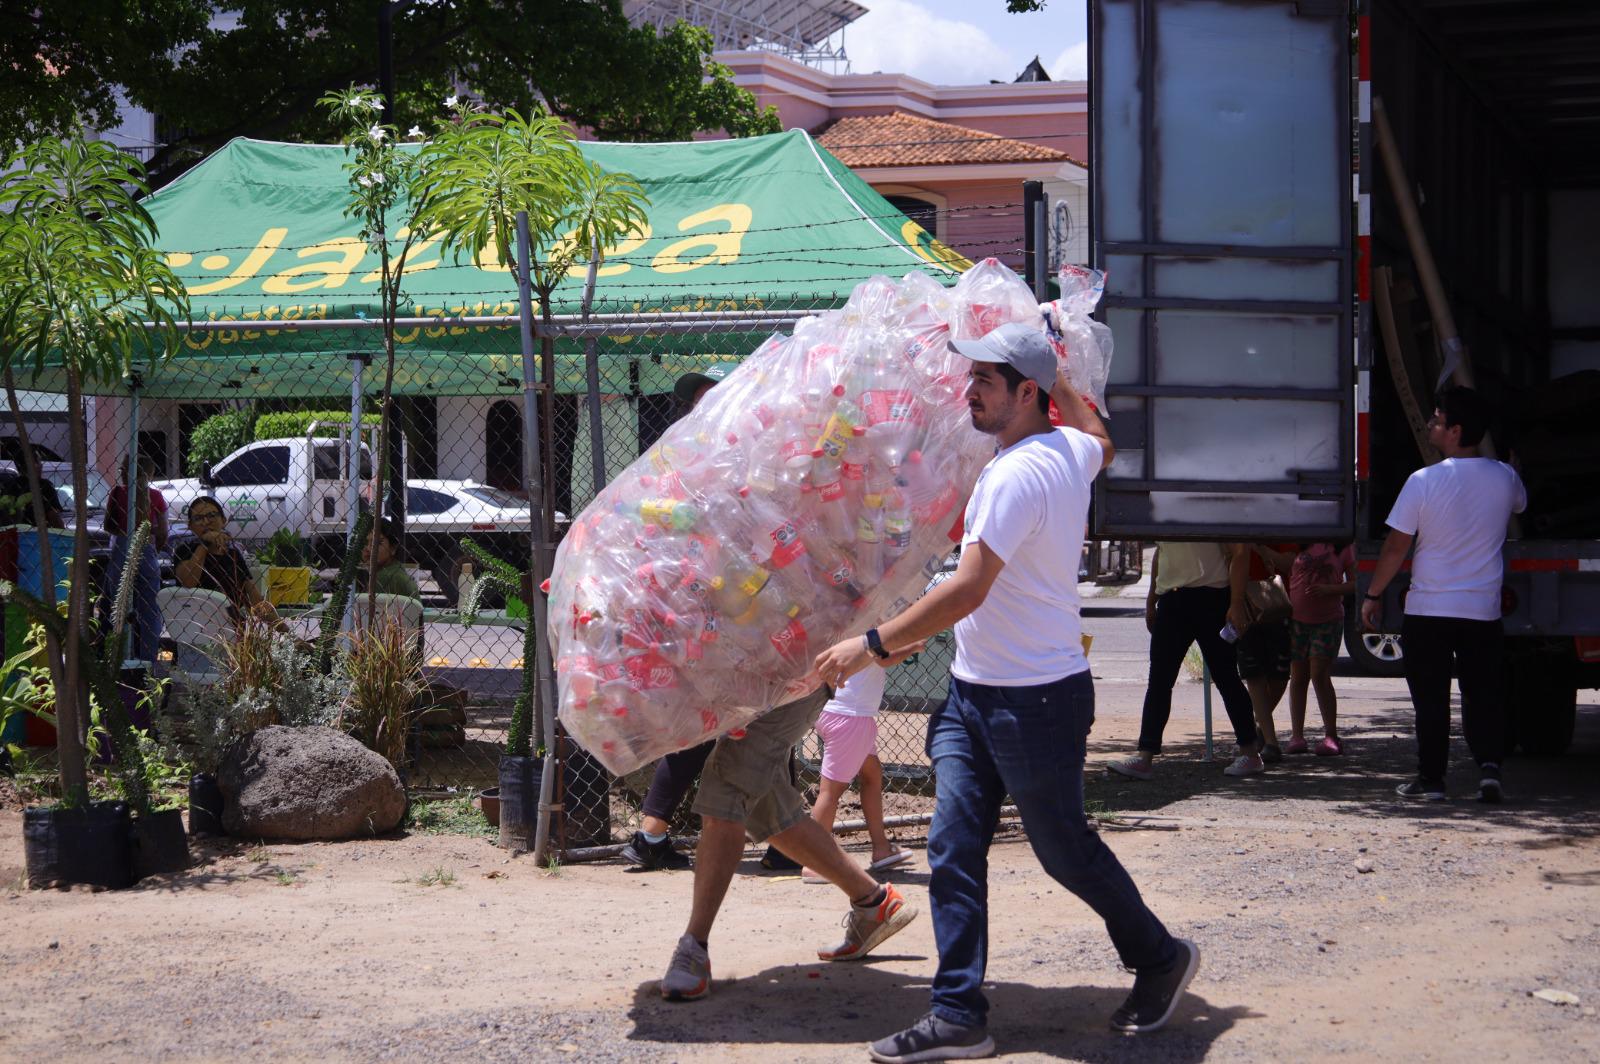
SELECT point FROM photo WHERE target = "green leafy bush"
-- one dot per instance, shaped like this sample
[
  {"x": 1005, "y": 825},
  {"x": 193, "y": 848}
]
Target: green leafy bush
[
  {"x": 217, "y": 437},
  {"x": 284, "y": 548},
  {"x": 293, "y": 423}
]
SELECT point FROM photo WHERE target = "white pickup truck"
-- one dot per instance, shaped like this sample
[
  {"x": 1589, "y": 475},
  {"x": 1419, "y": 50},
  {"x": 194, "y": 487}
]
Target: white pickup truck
[{"x": 302, "y": 484}]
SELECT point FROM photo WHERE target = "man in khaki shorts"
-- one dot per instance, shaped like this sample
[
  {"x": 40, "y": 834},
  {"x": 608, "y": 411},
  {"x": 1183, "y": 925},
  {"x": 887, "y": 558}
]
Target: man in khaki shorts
[{"x": 745, "y": 789}]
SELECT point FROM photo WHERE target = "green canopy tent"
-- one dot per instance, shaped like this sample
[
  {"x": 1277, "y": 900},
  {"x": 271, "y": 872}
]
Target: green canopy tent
[{"x": 258, "y": 234}]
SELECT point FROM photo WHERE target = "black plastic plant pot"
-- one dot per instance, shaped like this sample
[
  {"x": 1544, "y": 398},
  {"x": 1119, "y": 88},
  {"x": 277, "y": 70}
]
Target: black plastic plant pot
[
  {"x": 519, "y": 801},
  {"x": 205, "y": 805},
  {"x": 66, "y": 847},
  {"x": 159, "y": 844}
]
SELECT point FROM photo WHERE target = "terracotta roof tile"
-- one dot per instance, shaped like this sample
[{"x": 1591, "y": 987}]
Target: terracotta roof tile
[{"x": 906, "y": 140}]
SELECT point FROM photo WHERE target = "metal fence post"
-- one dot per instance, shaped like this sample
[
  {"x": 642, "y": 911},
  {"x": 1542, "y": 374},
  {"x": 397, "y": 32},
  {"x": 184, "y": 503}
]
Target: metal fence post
[
  {"x": 591, "y": 373},
  {"x": 1205, "y": 680}
]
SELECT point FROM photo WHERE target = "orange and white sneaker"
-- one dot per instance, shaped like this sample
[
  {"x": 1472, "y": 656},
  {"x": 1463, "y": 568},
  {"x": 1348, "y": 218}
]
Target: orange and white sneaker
[
  {"x": 865, "y": 926},
  {"x": 688, "y": 976}
]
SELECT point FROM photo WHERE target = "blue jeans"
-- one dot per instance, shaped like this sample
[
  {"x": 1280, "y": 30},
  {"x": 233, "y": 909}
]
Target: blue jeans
[
  {"x": 1029, "y": 742},
  {"x": 144, "y": 611}
]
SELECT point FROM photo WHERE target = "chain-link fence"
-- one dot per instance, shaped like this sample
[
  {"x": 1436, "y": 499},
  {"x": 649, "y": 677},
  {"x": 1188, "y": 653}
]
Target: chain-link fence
[{"x": 254, "y": 476}]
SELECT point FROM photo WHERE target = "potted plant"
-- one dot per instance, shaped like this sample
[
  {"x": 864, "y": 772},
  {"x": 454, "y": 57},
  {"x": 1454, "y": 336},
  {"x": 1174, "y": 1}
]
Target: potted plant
[
  {"x": 288, "y": 576},
  {"x": 99, "y": 843},
  {"x": 383, "y": 670},
  {"x": 81, "y": 277},
  {"x": 516, "y": 800}
]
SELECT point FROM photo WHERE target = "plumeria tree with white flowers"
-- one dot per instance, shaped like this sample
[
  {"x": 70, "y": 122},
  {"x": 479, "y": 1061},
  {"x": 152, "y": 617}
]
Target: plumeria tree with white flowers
[
  {"x": 388, "y": 198},
  {"x": 464, "y": 185}
]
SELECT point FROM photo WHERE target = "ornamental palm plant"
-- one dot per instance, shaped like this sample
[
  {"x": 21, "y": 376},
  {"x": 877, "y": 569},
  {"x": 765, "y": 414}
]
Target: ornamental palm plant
[{"x": 79, "y": 278}]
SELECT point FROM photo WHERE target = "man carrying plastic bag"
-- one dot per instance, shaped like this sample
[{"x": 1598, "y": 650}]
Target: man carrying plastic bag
[{"x": 1021, "y": 699}]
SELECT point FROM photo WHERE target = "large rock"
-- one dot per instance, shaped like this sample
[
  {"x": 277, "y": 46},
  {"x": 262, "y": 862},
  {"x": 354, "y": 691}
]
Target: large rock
[{"x": 308, "y": 783}]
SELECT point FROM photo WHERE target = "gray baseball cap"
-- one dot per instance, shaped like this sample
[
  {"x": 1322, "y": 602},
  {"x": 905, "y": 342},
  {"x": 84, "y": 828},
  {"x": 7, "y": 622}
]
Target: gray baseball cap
[{"x": 1022, "y": 347}]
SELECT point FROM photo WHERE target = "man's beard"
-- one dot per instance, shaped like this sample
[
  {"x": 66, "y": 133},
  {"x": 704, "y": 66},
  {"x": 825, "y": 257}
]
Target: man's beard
[{"x": 990, "y": 421}]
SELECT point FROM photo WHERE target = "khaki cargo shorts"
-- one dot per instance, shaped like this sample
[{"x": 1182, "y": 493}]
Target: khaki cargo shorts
[{"x": 747, "y": 780}]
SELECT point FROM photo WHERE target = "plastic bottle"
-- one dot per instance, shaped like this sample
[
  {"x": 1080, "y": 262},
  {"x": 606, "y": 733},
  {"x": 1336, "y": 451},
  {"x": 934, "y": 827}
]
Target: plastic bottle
[
  {"x": 741, "y": 581},
  {"x": 676, "y": 515},
  {"x": 853, "y": 469},
  {"x": 829, "y": 501},
  {"x": 869, "y": 540},
  {"x": 841, "y": 425},
  {"x": 834, "y": 570},
  {"x": 777, "y": 531},
  {"x": 896, "y": 525}
]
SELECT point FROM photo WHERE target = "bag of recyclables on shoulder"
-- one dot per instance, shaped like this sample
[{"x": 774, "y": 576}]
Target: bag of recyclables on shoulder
[{"x": 809, "y": 495}]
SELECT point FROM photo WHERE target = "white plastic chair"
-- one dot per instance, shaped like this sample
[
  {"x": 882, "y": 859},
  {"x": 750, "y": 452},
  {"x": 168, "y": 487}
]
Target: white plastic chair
[
  {"x": 402, "y": 608},
  {"x": 197, "y": 620}
]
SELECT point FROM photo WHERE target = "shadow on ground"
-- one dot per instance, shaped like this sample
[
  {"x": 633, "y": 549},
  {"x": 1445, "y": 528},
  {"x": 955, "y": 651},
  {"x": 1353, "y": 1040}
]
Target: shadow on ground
[
  {"x": 853, "y": 1005},
  {"x": 1555, "y": 796}
]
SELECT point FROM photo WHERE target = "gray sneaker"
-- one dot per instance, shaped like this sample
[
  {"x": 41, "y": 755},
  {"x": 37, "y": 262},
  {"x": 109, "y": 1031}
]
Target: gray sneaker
[
  {"x": 688, "y": 975},
  {"x": 865, "y": 926},
  {"x": 1155, "y": 997},
  {"x": 932, "y": 1038}
]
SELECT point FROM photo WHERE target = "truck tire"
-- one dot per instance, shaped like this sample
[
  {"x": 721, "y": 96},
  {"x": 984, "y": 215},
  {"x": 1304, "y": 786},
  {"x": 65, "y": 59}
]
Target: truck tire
[
  {"x": 1541, "y": 696},
  {"x": 1372, "y": 653}
]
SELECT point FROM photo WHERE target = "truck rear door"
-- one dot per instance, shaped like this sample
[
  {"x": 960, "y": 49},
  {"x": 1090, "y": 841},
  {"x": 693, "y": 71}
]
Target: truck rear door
[{"x": 1221, "y": 212}]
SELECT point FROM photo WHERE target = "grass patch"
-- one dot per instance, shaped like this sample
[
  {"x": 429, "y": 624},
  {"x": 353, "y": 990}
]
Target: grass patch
[
  {"x": 1194, "y": 664},
  {"x": 448, "y": 816},
  {"x": 1099, "y": 812},
  {"x": 258, "y": 854},
  {"x": 286, "y": 879},
  {"x": 439, "y": 877}
]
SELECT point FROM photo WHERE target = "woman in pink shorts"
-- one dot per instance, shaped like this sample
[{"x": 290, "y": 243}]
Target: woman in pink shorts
[
  {"x": 1322, "y": 575},
  {"x": 848, "y": 728}
]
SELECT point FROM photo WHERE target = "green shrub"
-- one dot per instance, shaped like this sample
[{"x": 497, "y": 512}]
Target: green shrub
[
  {"x": 284, "y": 548},
  {"x": 217, "y": 437},
  {"x": 293, "y": 424}
]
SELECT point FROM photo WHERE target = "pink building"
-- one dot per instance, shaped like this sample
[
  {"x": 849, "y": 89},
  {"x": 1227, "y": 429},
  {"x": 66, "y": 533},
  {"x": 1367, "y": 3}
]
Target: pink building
[{"x": 954, "y": 155}]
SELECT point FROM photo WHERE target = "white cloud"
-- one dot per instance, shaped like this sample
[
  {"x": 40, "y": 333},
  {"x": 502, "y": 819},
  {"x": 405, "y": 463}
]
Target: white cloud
[
  {"x": 901, "y": 37},
  {"x": 1072, "y": 64}
]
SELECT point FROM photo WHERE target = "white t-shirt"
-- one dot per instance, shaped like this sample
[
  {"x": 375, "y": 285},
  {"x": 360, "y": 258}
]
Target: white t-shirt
[
  {"x": 861, "y": 694},
  {"x": 1029, "y": 508},
  {"x": 1458, "y": 511}
]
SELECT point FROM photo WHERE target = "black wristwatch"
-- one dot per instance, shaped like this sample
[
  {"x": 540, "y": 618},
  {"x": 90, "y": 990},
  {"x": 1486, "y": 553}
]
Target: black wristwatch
[
  {"x": 1373, "y": 598},
  {"x": 875, "y": 644}
]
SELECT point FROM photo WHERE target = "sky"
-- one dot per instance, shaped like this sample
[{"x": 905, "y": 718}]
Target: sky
[{"x": 967, "y": 42}]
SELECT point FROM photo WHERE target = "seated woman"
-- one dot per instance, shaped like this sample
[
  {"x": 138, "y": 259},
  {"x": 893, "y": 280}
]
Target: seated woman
[
  {"x": 393, "y": 578},
  {"x": 211, "y": 560}
]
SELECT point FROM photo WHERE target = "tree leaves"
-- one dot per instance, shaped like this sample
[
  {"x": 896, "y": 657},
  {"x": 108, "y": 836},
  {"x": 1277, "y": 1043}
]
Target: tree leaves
[{"x": 78, "y": 274}]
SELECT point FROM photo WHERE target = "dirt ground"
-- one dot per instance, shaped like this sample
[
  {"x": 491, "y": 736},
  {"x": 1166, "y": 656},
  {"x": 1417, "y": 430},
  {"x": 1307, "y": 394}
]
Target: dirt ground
[{"x": 439, "y": 947}]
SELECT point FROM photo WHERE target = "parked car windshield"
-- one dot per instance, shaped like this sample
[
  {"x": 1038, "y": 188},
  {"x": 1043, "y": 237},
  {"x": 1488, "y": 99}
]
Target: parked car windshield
[
  {"x": 264, "y": 465},
  {"x": 497, "y": 497},
  {"x": 428, "y": 501}
]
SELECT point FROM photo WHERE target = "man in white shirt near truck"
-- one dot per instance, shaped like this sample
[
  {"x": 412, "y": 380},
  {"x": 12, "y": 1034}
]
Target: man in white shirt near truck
[
  {"x": 1455, "y": 512},
  {"x": 1021, "y": 700}
]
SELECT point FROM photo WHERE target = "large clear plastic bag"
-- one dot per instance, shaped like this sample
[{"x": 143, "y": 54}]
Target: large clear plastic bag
[
  {"x": 1082, "y": 345},
  {"x": 808, "y": 496}
]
